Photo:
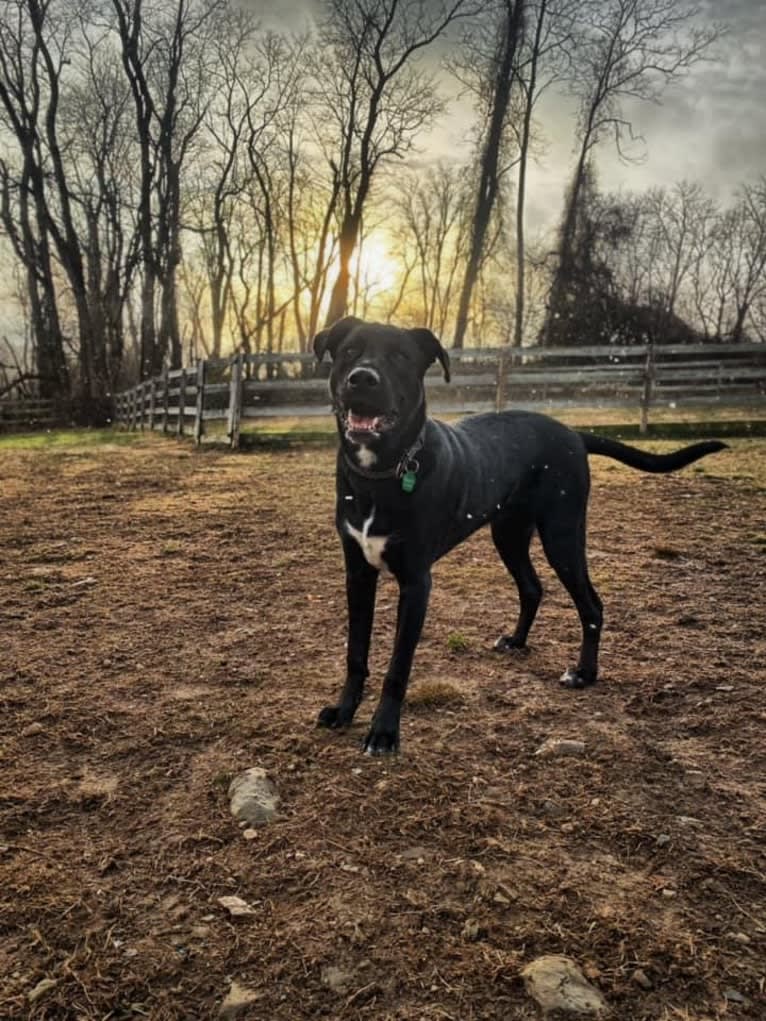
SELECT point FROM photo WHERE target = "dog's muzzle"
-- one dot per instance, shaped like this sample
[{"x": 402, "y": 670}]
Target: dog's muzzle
[{"x": 361, "y": 407}]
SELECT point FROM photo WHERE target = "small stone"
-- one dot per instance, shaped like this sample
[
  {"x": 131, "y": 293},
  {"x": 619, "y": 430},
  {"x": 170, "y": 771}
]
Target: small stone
[
  {"x": 470, "y": 930},
  {"x": 43, "y": 986},
  {"x": 253, "y": 797},
  {"x": 249, "y": 834},
  {"x": 567, "y": 827},
  {"x": 739, "y": 937},
  {"x": 662, "y": 840},
  {"x": 336, "y": 978},
  {"x": 417, "y": 854},
  {"x": 553, "y": 809},
  {"x": 237, "y": 907},
  {"x": 640, "y": 977},
  {"x": 734, "y": 996},
  {"x": 667, "y": 893},
  {"x": 555, "y": 747},
  {"x": 237, "y": 999},
  {"x": 32, "y": 729},
  {"x": 556, "y": 983},
  {"x": 500, "y": 898}
]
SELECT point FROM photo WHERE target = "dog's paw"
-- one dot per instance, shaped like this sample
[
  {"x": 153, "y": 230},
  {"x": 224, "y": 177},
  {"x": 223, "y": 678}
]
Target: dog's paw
[
  {"x": 381, "y": 740},
  {"x": 508, "y": 643},
  {"x": 335, "y": 717},
  {"x": 576, "y": 681}
]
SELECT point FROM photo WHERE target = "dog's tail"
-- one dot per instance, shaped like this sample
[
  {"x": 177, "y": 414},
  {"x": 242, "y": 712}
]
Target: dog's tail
[{"x": 635, "y": 458}]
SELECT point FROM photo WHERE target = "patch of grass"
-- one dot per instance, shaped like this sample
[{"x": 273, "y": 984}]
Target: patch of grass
[
  {"x": 434, "y": 695},
  {"x": 35, "y": 585},
  {"x": 66, "y": 438},
  {"x": 457, "y": 642},
  {"x": 222, "y": 780},
  {"x": 686, "y": 430}
]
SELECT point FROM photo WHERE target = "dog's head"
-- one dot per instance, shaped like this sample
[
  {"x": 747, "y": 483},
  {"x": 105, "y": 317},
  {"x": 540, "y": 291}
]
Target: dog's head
[{"x": 376, "y": 382}]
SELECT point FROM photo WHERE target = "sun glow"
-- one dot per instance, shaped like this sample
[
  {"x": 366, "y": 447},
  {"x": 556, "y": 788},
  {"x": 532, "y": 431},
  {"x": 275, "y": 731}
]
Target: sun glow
[{"x": 374, "y": 267}]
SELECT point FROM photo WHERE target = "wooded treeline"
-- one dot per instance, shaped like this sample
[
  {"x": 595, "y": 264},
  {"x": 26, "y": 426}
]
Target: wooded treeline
[{"x": 179, "y": 180}]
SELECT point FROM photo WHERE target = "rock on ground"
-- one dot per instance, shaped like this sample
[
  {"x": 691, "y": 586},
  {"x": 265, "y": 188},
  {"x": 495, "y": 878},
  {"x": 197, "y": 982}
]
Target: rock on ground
[
  {"x": 43, "y": 986},
  {"x": 557, "y": 983},
  {"x": 253, "y": 797},
  {"x": 557, "y": 746},
  {"x": 237, "y": 907},
  {"x": 238, "y": 999}
]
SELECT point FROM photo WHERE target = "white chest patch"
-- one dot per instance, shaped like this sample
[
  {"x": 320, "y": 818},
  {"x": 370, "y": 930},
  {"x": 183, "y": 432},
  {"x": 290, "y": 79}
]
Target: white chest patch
[
  {"x": 372, "y": 546},
  {"x": 365, "y": 456}
]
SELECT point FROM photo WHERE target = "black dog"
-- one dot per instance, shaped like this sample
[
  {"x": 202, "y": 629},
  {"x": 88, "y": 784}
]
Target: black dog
[{"x": 410, "y": 488}]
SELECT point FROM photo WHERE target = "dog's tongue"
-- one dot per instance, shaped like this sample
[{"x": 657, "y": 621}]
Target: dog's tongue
[{"x": 362, "y": 423}]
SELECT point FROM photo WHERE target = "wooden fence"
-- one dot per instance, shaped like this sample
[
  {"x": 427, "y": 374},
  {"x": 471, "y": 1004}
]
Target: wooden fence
[
  {"x": 27, "y": 413},
  {"x": 247, "y": 387}
]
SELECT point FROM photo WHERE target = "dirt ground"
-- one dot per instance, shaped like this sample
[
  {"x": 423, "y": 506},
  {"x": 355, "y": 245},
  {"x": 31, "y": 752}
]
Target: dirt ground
[{"x": 170, "y": 617}]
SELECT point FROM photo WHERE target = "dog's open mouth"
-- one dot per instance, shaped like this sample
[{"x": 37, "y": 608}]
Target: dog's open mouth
[{"x": 364, "y": 424}]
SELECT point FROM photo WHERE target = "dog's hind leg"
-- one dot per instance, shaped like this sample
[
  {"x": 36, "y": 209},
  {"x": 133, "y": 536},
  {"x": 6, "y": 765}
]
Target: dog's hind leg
[
  {"x": 564, "y": 545},
  {"x": 512, "y": 535}
]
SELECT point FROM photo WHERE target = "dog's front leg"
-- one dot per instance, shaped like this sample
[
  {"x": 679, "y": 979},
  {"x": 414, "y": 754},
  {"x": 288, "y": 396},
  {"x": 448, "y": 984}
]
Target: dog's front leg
[
  {"x": 361, "y": 584},
  {"x": 383, "y": 737}
]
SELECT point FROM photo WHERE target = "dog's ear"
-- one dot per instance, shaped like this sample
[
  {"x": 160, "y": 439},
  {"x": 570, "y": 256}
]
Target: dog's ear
[
  {"x": 329, "y": 339},
  {"x": 432, "y": 349}
]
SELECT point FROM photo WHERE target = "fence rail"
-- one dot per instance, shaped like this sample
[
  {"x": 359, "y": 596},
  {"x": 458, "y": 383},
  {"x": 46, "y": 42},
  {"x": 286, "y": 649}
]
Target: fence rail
[
  {"x": 251, "y": 387},
  {"x": 20, "y": 413}
]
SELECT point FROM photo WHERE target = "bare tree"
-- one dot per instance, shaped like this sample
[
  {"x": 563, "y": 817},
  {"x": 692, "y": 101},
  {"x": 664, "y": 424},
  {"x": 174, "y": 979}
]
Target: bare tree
[
  {"x": 377, "y": 98},
  {"x": 629, "y": 50},
  {"x": 166, "y": 61},
  {"x": 254, "y": 76},
  {"x": 433, "y": 211},
  {"x": 546, "y": 59},
  {"x": 40, "y": 50},
  {"x": 502, "y": 74},
  {"x": 749, "y": 260}
]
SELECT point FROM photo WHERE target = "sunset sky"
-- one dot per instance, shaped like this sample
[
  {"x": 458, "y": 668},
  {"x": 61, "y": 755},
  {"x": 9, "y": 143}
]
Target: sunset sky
[{"x": 710, "y": 127}]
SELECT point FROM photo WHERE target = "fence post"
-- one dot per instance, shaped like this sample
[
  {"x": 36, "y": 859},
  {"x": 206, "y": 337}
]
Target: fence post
[
  {"x": 235, "y": 401},
  {"x": 650, "y": 372},
  {"x": 152, "y": 402},
  {"x": 133, "y": 408},
  {"x": 141, "y": 404},
  {"x": 199, "y": 422},
  {"x": 180, "y": 424},
  {"x": 165, "y": 399},
  {"x": 503, "y": 371}
]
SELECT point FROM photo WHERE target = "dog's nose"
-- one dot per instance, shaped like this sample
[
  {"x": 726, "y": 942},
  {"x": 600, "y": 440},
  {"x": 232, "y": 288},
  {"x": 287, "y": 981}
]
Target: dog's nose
[{"x": 362, "y": 378}]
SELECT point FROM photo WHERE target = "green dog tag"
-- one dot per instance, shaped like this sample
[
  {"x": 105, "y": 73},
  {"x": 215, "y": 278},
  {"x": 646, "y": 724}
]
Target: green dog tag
[{"x": 408, "y": 481}]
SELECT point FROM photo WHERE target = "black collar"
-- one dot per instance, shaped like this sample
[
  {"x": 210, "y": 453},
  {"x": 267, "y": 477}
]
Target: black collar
[{"x": 406, "y": 463}]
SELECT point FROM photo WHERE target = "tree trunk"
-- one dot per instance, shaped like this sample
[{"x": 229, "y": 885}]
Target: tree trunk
[
  {"x": 518, "y": 327},
  {"x": 489, "y": 180},
  {"x": 563, "y": 272},
  {"x": 349, "y": 235}
]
